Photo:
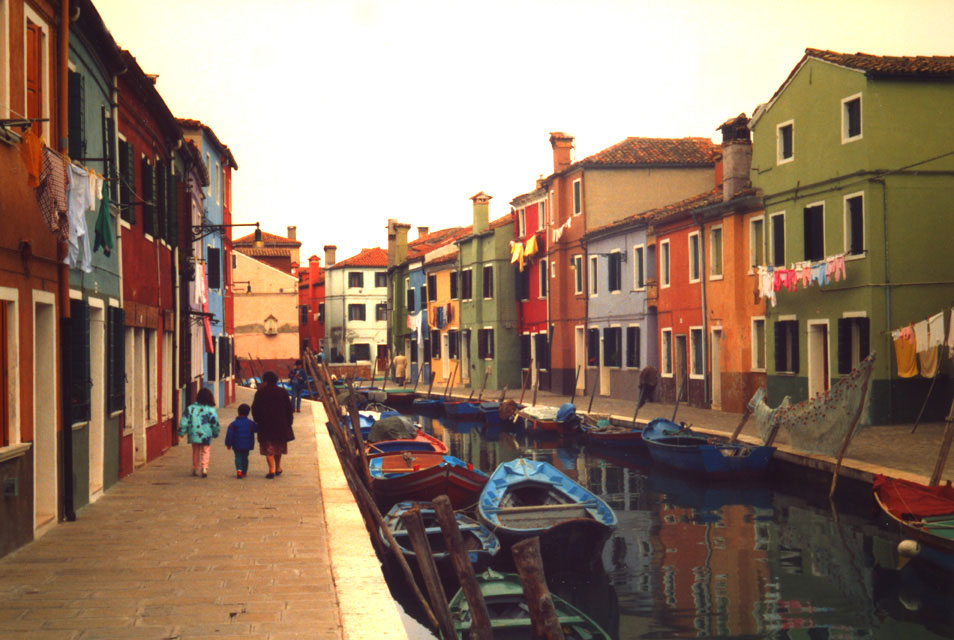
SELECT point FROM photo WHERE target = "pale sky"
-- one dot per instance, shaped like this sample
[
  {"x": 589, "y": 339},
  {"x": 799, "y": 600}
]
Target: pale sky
[{"x": 342, "y": 114}]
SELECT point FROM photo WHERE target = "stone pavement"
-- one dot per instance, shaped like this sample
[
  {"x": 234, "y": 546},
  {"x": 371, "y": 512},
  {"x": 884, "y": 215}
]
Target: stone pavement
[{"x": 167, "y": 555}]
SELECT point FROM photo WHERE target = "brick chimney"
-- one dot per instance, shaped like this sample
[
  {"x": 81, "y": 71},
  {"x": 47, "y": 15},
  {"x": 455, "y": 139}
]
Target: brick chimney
[
  {"x": 736, "y": 155},
  {"x": 330, "y": 250},
  {"x": 562, "y": 144},
  {"x": 422, "y": 231},
  {"x": 397, "y": 242},
  {"x": 481, "y": 211},
  {"x": 292, "y": 232}
]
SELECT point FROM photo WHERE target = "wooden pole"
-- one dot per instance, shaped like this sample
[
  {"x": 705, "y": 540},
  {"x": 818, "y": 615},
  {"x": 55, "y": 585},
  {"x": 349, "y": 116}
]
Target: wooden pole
[
  {"x": 745, "y": 418},
  {"x": 639, "y": 403},
  {"x": 480, "y": 628},
  {"x": 503, "y": 393},
  {"x": 682, "y": 383},
  {"x": 414, "y": 524},
  {"x": 417, "y": 379},
  {"x": 450, "y": 381},
  {"x": 483, "y": 386},
  {"x": 930, "y": 389},
  {"x": 545, "y": 624},
  {"x": 945, "y": 448},
  {"x": 362, "y": 455},
  {"x": 851, "y": 431},
  {"x": 251, "y": 365},
  {"x": 525, "y": 381},
  {"x": 596, "y": 385},
  {"x": 536, "y": 385},
  {"x": 576, "y": 379}
]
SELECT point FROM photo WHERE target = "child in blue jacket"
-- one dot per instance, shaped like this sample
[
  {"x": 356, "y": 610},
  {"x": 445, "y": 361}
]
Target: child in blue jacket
[{"x": 241, "y": 438}]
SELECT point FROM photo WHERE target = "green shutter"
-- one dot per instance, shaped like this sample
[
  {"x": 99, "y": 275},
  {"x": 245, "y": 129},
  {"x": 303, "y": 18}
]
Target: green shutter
[
  {"x": 80, "y": 381},
  {"x": 159, "y": 197},
  {"x": 116, "y": 359},
  {"x": 77, "y": 116},
  {"x": 172, "y": 200},
  {"x": 153, "y": 196},
  {"x": 128, "y": 181}
]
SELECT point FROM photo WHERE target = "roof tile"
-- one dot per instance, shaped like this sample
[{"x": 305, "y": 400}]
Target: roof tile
[
  {"x": 374, "y": 257},
  {"x": 657, "y": 151}
]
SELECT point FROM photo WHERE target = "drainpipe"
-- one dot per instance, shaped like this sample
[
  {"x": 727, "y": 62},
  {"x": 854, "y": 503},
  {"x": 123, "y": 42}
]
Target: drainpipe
[
  {"x": 705, "y": 312},
  {"x": 887, "y": 275},
  {"x": 66, "y": 360}
]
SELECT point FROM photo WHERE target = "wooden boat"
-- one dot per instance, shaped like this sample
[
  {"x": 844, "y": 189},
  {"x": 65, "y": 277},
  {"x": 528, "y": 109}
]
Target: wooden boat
[
  {"x": 490, "y": 412},
  {"x": 548, "y": 419},
  {"x": 423, "y": 477},
  {"x": 509, "y": 616},
  {"x": 678, "y": 446},
  {"x": 924, "y": 514},
  {"x": 422, "y": 442},
  {"x": 461, "y": 408},
  {"x": 604, "y": 432},
  {"x": 526, "y": 498},
  {"x": 427, "y": 404},
  {"x": 480, "y": 542}
]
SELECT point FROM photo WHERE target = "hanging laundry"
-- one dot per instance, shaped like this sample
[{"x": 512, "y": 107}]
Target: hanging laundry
[
  {"x": 31, "y": 150},
  {"x": 950, "y": 337},
  {"x": 907, "y": 333},
  {"x": 516, "y": 253},
  {"x": 921, "y": 335},
  {"x": 820, "y": 274},
  {"x": 928, "y": 360},
  {"x": 805, "y": 275},
  {"x": 835, "y": 268},
  {"x": 790, "y": 279},
  {"x": 531, "y": 246},
  {"x": 936, "y": 330},
  {"x": 104, "y": 236},
  {"x": 450, "y": 313},
  {"x": 51, "y": 193},
  {"x": 78, "y": 236},
  {"x": 765, "y": 282},
  {"x": 905, "y": 353}
]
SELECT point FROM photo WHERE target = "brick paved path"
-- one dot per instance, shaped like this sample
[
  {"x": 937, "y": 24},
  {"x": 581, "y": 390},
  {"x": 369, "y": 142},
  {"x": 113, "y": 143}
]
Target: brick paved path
[{"x": 167, "y": 555}]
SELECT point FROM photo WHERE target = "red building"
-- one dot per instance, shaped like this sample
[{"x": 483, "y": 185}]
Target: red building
[
  {"x": 311, "y": 304},
  {"x": 532, "y": 279}
]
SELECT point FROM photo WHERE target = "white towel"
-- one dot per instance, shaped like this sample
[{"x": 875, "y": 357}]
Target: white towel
[
  {"x": 921, "y": 336},
  {"x": 936, "y": 330}
]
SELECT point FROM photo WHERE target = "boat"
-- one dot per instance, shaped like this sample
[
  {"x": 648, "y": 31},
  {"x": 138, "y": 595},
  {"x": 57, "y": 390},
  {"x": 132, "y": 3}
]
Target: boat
[
  {"x": 421, "y": 441},
  {"x": 423, "y": 477},
  {"x": 509, "y": 616},
  {"x": 480, "y": 542},
  {"x": 525, "y": 498},
  {"x": 549, "y": 419},
  {"x": 924, "y": 514},
  {"x": 461, "y": 408},
  {"x": 489, "y": 411},
  {"x": 678, "y": 446},
  {"x": 427, "y": 404},
  {"x": 604, "y": 432}
]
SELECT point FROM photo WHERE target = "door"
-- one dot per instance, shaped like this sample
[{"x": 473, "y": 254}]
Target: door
[
  {"x": 679, "y": 368},
  {"x": 45, "y": 395},
  {"x": 465, "y": 357},
  {"x": 817, "y": 358},
  {"x": 97, "y": 370},
  {"x": 603, "y": 369},
  {"x": 580, "y": 347},
  {"x": 715, "y": 363},
  {"x": 445, "y": 361}
]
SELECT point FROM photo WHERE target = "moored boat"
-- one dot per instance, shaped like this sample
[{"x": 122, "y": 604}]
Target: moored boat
[
  {"x": 422, "y": 442},
  {"x": 461, "y": 408},
  {"x": 489, "y": 411},
  {"x": 509, "y": 616},
  {"x": 606, "y": 433},
  {"x": 924, "y": 514},
  {"x": 423, "y": 477},
  {"x": 536, "y": 418},
  {"x": 678, "y": 446}
]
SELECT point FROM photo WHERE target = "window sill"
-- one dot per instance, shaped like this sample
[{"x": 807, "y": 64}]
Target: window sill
[
  {"x": 116, "y": 413},
  {"x": 716, "y": 278},
  {"x": 757, "y": 370},
  {"x": 14, "y": 451},
  {"x": 851, "y": 257},
  {"x": 666, "y": 375},
  {"x": 76, "y": 426}
]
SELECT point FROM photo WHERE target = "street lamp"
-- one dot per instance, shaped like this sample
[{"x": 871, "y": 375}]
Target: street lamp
[{"x": 200, "y": 231}]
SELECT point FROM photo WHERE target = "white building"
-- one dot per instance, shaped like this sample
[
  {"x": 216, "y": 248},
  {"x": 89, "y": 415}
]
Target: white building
[{"x": 356, "y": 310}]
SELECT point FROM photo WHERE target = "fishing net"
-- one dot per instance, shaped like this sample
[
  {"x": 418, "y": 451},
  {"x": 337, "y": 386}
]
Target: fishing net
[{"x": 819, "y": 424}]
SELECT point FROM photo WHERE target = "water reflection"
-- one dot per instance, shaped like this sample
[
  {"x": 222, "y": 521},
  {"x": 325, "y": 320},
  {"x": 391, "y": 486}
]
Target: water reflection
[{"x": 697, "y": 559}]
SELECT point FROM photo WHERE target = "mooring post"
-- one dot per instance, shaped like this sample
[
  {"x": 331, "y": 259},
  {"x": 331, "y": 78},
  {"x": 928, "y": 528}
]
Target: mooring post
[
  {"x": 526, "y": 555},
  {"x": 414, "y": 524}
]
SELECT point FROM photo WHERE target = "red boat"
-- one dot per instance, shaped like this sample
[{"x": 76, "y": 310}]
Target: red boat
[
  {"x": 925, "y": 513},
  {"x": 422, "y": 442},
  {"x": 423, "y": 477}
]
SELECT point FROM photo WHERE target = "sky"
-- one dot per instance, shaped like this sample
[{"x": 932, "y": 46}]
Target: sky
[{"x": 343, "y": 114}]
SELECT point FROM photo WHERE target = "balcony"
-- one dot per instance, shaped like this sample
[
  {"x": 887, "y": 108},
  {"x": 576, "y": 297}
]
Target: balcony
[{"x": 652, "y": 292}]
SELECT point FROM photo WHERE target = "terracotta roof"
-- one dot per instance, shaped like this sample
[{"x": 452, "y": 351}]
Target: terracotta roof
[
  {"x": 374, "y": 257},
  {"x": 431, "y": 241},
  {"x": 656, "y": 152},
  {"x": 189, "y": 124},
  {"x": 888, "y": 65},
  {"x": 450, "y": 257},
  {"x": 691, "y": 203},
  {"x": 264, "y": 252},
  {"x": 501, "y": 221},
  {"x": 267, "y": 238}
]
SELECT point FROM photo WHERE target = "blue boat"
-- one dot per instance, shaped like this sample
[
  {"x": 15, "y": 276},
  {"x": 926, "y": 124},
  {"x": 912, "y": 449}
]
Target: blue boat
[
  {"x": 461, "y": 408},
  {"x": 427, "y": 404},
  {"x": 526, "y": 498},
  {"x": 678, "y": 446},
  {"x": 490, "y": 412}
]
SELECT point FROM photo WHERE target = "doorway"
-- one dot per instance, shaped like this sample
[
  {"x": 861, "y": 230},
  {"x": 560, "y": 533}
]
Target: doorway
[
  {"x": 445, "y": 359},
  {"x": 715, "y": 364},
  {"x": 818, "y": 378},
  {"x": 580, "y": 346},
  {"x": 97, "y": 418},
  {"x": 679, "y": 368},
  {"x": 45, "y": 393}
]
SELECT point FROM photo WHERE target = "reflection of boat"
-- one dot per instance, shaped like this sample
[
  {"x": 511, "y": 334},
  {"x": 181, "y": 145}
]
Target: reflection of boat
[
  {"x": 706, "y": 498},
  {"x": 917, "y": 593},
  {"x": 924, "y": 513},
  {"x": 680, "y": 447},
  {"x": 420, "y": 442},
  {"x": 525, "y": 498},
  {"x": 479, "y": 541},
  {"x": 461, "y": 408},
  {"x": 424, "y": 476},
  {"x": 490, "y": 412},
  {"x": 461, "y": 425},
  {"x": 509, "y": 616}
]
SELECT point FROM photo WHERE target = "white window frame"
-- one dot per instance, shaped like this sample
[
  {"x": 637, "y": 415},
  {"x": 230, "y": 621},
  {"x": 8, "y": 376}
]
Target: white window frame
[
  {"x": 639, "y": 266},
  {"x": 753, "y": 264},
  {"x": 542, "y": 275},
  {"x": 845, "y": 138},
  {"x": 5, "y": 59},
  {"x": 847, "y": 226},
  {"x": 11, "y": 296},
  {"x": 712, "y": 253},
  {"x": 550, "y": 198},
  {"x": 593, "y": 280},
  {"x": 769, "y": 230},
  {"x": 695, "y": 257},
  {"x": 665, "y": 355},
  {"x": 578, "y": 282},
  {"x": 577, "y": 188},
  {"x": 692, "y": 352},
  {"x": 756, "y": 348},
  {"x": 778, "y": 142},
  {"x": 521, "y": 222},
  {"x": 541, "y": 214},
  {"x": 665, "y": 261}
]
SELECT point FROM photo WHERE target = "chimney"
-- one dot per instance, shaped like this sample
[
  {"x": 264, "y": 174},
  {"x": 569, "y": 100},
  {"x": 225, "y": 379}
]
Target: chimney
[
  {"x": 397, "y": 242},
  {"x": 314, "y": 261},
  {"x": 481, "y": 212},
  {"x": 330, "y": 254},
  {"x": 292, "y": 232},
  {"x": 422, "y": 231},
  {"x": 562, "y": 144},
  {"x": 541, "y": 182},
  {"x": 736, "y": 155}
]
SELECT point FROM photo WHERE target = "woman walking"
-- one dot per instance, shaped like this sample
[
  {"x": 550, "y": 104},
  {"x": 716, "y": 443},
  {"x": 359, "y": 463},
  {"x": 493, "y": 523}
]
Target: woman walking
[
  {"x": 201, "y": 423},
  {"x": 272, "y": 412}
]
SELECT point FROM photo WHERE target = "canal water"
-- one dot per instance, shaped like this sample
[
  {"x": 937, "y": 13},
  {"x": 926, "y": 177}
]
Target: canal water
[{"x": 769, "y": 558}]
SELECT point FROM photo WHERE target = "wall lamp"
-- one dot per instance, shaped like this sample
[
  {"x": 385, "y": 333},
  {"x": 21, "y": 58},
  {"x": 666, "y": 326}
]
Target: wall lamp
[
  {"x": 200, "y": 231},
  {"x": 245, "y": 282}
]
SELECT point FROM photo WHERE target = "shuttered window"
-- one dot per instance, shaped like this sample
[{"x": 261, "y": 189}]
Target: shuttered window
[
  {"x": 4, "y": 377},
  {"x": 80, "y": 381},
  {"x": 172, "y": 203},
  {"x": 612, "y": 346},
  {"x": 853, "y": 343},
  {"x": 127, "y": 181},
  {"x": 632, "y": 347},
  {"x": 116, "y": 357},
  {"x": 592, "y": 347},
  {"x": 210, "y": 365},
  {"x": 148, "y": 197},
  {"x": 109, "y": 158},
  {"x": 213, "y": 267},
  {"x": 160, "y": 195},
  {"x": 77, "y": 116},
  {"x": 435, "y": 344},
  {"x": 542, "y": 350},
  {"x": 786, "y": 346},
  {"x": 225, "y": 357},
  {"x": 34, "y": 75}
]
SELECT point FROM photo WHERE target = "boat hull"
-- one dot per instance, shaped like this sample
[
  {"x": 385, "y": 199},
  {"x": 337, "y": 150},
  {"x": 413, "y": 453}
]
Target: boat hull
[
  {"x": 934, "y": 531},
  {"x": 460, "y": 408},
  {"x": 672, "y": 446},
  {"x": 449, "y": 476},
  {"x": 423, "y": 442}
]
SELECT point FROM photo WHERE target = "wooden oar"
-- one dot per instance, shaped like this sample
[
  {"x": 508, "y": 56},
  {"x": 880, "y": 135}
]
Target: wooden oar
[
  {"x": 575, "y": 380},
  {"x": 544, "y": 507},
  {"x": 450, "y": 381},
  {"x": 484, "y": 386}
]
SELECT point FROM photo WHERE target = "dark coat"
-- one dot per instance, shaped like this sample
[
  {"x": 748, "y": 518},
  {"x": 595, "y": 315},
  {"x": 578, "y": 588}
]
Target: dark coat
[
  {"x": 241, "y": 434},
  {"x": 273, "y": 416}
]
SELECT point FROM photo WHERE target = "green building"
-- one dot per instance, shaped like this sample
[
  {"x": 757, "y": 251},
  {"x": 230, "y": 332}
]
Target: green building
[{"x": 854, "y": 157}]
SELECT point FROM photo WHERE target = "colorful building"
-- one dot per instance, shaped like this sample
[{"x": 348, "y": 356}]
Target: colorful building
[
  {"x": 532, "y": 279},
  {"x": 356, "y": 306},
  {"x": 311, "y": 304}
]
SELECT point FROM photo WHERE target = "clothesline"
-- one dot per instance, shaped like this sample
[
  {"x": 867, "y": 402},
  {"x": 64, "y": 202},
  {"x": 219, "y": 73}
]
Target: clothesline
[
  {"x": 805, "y": 274},
  {"x": 915, "y": 345}
]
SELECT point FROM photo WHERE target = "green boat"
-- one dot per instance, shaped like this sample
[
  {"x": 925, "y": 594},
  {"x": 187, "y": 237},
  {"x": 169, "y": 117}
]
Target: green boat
[{"x": 509, "y": 616}]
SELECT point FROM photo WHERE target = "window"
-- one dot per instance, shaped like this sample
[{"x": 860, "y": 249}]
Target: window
[
  {"x": 321, "y": 312},
  {"x": 413, "y": 351},
  {"x": 785, "y": 136},
  {"x": 639, "y": 266},
  {"x": 715, "y": 252},
  {"x": 521, "y": 223},
  {"x": 356, "y": 312},
  {"x": 453, "y": 285},
  {"x": 360, "y": 351},
  {"x": 542, "y": 350},
  {"x": 381, "y": 312},
  {"x": 213, "y": 268},
  {"x": 127, "y": 182},
  {"x": 814, "y": 217},
  {"x": 303, "y": 315},
  {"x": 758, "y": 344},
  {"x": 77, "y": 115},
  {"x": 786, "y": 346},
  {"x": 453, "y": 342},
  {"x": 409, "y": 295},
  {"x": 485, "y": 344},
  {"x": 854, "y": 225},
  {"x": 380, "y": 279},
  {"x": 612, "y": 347},
  {"x": 151, "y": 384},
  {"x": 577, "y": 197},
  {"x": 543, "y": 278},
  {"x": 541, "y": 214},
  {"x": 148, "y": 192},
  {"x": 664, "y": 263},
  {"x": 853, "y": 343},
  {"x": 218, "y": 183},
  {"x": 632, "y": 347},
  {"x": 697, "y": 353},
  {"x": 550, "y": 208},
  {"x": 522, "y": 280},
  {"x": 80, "y": 380},
  {"x": 525, "y": 351},
  {"x": 467, "y": 284},
  {"x": 432, "y": 287},
  {"x": 435, "y": 344},
  {"x": 578, "y": 273},
  {"x": 225, "y": 356},
  {"x": 694, "y": 266},
  {"x": 488, "y": 282},
  {"x": 355, "y": 280},
  {"x": 851, "y": 118},
  {"x": 756, "y": 242},
  {"x": 37, "y": 60},
  {"x": 594, "y": 275},
  {"x": 665, "y": 352},
  {"x": 116, "y": 359},
  {"x": 423, "y": 296},
  {"x": 592, "y": 347},
  {"x": 777, "y": 246},
  {"x": 615, "y": 269}
]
